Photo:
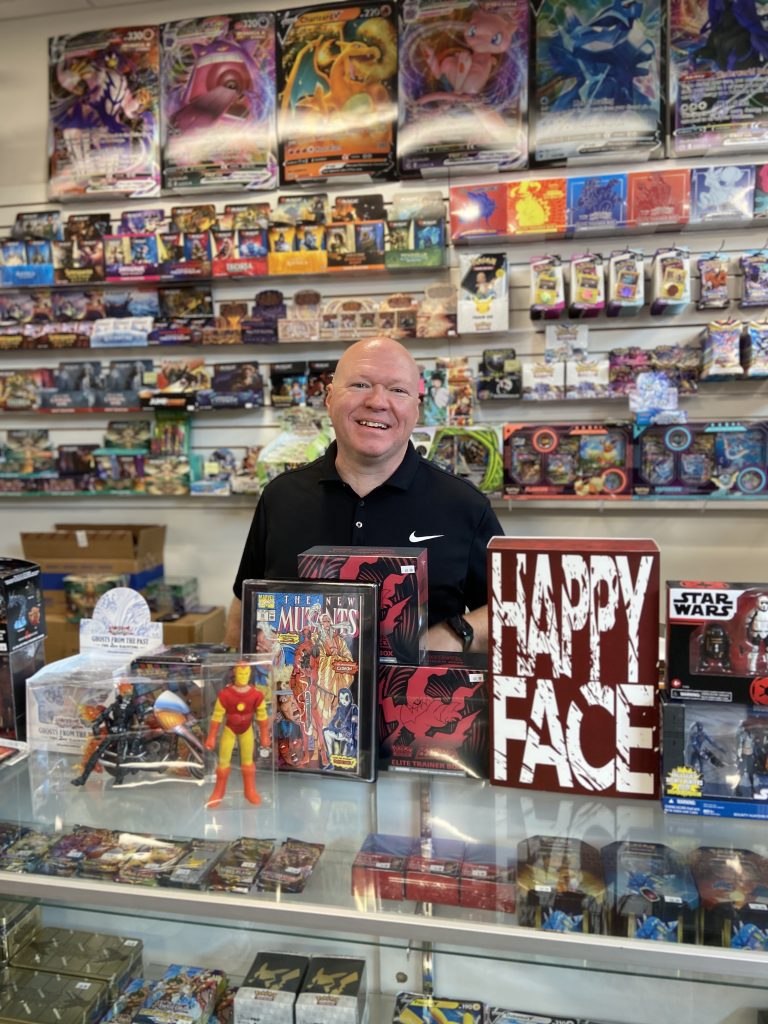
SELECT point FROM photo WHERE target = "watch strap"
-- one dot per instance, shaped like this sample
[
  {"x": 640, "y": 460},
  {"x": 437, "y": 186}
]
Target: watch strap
[{"x": 463, "y": 631}]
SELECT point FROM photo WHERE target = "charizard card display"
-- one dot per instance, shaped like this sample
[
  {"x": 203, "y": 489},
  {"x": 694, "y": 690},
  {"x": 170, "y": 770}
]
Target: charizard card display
[
  {"x": 597, "y": 80},
  {"x": 103, "y": 98},
  {"x": 718, "y": 78},
  {"x": 325, "y": 640},
  {"x": 218, "y": 102},
  {"x": 463, "y": 85},
  {"x": 337, "y": 92}
]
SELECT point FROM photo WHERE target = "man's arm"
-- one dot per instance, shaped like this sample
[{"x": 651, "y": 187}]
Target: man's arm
[
  {"x": 442, "y": 638},
  {"x": 234, "y": 618}
]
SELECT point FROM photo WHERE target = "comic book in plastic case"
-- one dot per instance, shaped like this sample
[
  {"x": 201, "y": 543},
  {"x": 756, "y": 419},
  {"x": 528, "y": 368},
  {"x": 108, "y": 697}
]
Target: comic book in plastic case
[
  {"x": 597, "y": 87},
  {"x": 718, "y": 81},
  {"x": 218, "y": 102},
  {"x": 337, "y": 92},
  {"x": 463, "y": 86},
  {"x": 324, "y": 641}
]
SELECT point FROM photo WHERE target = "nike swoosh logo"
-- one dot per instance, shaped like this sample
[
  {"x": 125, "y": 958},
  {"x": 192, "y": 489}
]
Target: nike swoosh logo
[{"x": 427, "y": 536}]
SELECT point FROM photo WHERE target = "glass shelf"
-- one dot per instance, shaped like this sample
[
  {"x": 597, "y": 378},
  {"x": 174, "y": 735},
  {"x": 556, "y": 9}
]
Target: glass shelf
[{"x": 340, "y": 814}]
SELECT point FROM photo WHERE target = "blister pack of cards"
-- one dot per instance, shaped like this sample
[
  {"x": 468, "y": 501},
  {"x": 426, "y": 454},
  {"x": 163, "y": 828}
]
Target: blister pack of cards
[
  {"x": 218, "y": 102},
  {"x": 237, "y": 869},
  {"x": 463, "y": 85},
  {"x": 291, "y": 866},
  {"x": 597, "y": 80}
]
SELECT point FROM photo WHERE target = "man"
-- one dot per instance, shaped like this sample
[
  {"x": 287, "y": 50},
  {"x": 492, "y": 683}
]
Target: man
[{"x": 372, "y": 489}]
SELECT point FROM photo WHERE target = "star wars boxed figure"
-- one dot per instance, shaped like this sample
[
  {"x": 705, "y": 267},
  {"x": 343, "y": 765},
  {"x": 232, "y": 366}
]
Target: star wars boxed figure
[
  {"x": 401, "y": 574},
  {"x": 560, "y": 885},
  {"x": 22, "y": 636},
  {"x": 325, "y": 641},
  {"x": 463, "y": 86},
  {"x": 334, "y": 991},
  {"x": 434, "y": 716},
  {"x": 717, "y": 641},
  {"x": 574, "y": 631},
  {"x": 733, "y": 888},
  {"x": 597, "y": 81},
  {"x": 717, "y": 95},
  {"x": 218, "y": 102},
  {"x": 268, "y": 992},
  {"x": 331, "y": 61},
  {"x": 651, "y": 892},
  {"x": 714, "y": 759}
]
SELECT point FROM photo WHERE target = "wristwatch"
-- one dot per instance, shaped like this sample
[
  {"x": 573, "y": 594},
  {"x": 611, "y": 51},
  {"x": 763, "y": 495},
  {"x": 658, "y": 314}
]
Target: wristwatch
[{"x": 463, "y": 631}]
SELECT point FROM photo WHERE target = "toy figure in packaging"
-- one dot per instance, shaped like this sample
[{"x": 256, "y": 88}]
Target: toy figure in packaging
[
  {"x": 337, "y": 80},
  {"x": 218, "y": 102},
  {"x": 238, "y": 705},
  {"x": 483, "y": 300},
  {"x": 103, "y": 103},
  {"x": 718, "y": 81},
  {"x": 325, "y": 639},
  {"x": 598, "y": 88},
  {"x": 463, "y": 85}
]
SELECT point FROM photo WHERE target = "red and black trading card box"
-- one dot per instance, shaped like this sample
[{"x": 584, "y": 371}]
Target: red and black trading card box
[
  {"x": 378, "y": 870},
  {"x": 401, "y": 574},
  {"x": 560, "y": 885},
  {"x": 573, "y": 673},
  {"x": 487, "y": 878},
  {"x": 733, "y": 890},
  {"x": 432, "y": 872},
  {"x": 717, "y": 641},
  {"x": 434, "y": 717}
]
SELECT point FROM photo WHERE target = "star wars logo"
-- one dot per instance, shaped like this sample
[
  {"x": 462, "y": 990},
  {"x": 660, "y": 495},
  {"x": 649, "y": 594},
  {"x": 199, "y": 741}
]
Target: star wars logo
[
  {"x": 703, "y": 605},
  {"x": 574, "y": 640}
]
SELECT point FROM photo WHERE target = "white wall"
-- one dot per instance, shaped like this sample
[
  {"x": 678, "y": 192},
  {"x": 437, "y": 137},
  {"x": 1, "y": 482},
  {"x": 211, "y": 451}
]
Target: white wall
[{"x": 699, "y": 540}]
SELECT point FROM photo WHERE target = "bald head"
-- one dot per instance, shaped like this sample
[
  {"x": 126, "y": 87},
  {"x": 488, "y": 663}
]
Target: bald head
[
  {"x": 384, "y": 351},
  {"x": 373, "y": 403}
]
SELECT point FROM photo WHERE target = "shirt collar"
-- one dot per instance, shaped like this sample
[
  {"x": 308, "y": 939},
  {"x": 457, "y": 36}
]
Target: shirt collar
[{"x": 401, "y": 479}]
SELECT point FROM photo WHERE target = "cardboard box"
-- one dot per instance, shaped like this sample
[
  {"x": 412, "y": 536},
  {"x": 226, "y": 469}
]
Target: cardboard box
[
  {"x": 487, "y": 879},
  {"x": 574, "y": 628},
  {"x": 334, "y": 991},
  {"x": 196, "y": 628},
  {"x": 22, "y": 620},
  {"x": 432, "y": 875},
  {"x": 378, "y": 870},
  {"x": 560, "y": 885},
  {"x": 51, "y": 998},
  {"x": 401, "y": 574},
  {"x": 15, "y": 670},
  {"x": 268, "y": 993},
  {"x": 84, "y": 548},
  {"x": 731, "y": 886}
]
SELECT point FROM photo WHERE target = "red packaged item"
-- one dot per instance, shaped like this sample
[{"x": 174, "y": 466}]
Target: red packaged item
[
  {"x": 378, "y": 870},
  {"x": 487, "y": 878},
  {"x": 573, "y": 626},
  {"x": 432, "y": 872}
]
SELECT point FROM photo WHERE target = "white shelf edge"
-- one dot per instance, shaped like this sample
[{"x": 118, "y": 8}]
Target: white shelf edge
[{"x": 597, "y": 951}]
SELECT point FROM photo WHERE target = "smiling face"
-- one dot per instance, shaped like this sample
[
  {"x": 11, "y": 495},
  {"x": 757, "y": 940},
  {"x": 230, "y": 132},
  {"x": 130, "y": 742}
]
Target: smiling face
[{"x": 373, "y": 403}]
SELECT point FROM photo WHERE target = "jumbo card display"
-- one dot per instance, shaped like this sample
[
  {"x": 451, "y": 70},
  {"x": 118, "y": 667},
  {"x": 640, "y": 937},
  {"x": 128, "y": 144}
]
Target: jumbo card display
[
  {"x": 718, "y": 79},
  {"x": 218, "y": 102},
  {"x": 573, "y": 628},
  {"x": 597, "y": 80},
  {"x": 337, "y": 84},
  {"x": 463, "y": 85},
  {"x": 103, "y": 97},
  {"x": 483, "y": 303},
  {"x": 325, "y": 639}
]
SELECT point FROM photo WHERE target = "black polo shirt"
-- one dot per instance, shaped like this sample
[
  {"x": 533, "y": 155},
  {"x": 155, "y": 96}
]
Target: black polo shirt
[{"x": 420, "y": 505}]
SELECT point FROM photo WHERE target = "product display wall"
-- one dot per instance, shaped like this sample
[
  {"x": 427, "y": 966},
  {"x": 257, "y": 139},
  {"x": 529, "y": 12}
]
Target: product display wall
[{"x": 696, "y": 541}]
